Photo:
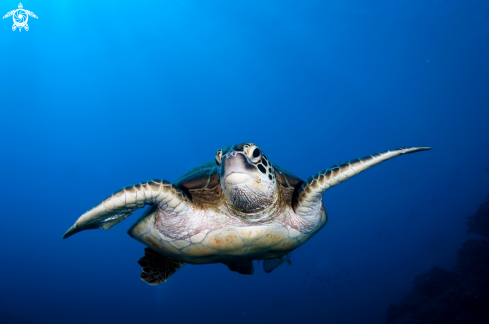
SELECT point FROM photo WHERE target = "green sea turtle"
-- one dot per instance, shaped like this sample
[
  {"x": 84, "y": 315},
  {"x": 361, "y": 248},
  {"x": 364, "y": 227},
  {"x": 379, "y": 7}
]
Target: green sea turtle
[{"x": 236, "y": 209}]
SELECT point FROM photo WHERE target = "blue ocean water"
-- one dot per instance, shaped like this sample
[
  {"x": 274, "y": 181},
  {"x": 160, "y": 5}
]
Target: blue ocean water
[{"x": 98, "y": 95}]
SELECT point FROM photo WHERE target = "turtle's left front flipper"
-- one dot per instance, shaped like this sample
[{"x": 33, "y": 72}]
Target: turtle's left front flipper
[
  {"x": 124, "y": 202},
  {"x": 308, "y": 198}
]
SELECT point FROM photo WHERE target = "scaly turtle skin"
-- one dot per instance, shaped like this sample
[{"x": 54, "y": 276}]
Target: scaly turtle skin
[{"x": 236, "y": 209}]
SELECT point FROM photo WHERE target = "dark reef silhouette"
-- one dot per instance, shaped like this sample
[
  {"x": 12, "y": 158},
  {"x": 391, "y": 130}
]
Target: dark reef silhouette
[
  {"x": 460, "y": 295},
  {"x": 479, "y": 222}
]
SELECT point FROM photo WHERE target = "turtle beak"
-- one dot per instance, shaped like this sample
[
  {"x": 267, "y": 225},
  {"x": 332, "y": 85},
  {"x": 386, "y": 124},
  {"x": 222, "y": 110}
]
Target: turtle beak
[
  {"x": 236, "y": 169},
  {"x": 235, "y": 178}
]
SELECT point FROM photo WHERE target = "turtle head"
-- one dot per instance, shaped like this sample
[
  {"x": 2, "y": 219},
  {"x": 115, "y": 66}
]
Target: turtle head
[{"x": 247, "y": 180}]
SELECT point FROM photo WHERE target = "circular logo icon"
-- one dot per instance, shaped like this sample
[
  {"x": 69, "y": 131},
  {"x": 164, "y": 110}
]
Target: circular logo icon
[{"x": 20, "y": 17}]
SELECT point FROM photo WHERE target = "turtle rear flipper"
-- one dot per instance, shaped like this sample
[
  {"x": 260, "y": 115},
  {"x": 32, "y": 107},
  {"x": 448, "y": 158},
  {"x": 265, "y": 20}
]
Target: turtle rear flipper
[
  {"x": 241, "y": 266},
  {"x": 157, "y": 268},
  {"x": 270, "y": 264}
]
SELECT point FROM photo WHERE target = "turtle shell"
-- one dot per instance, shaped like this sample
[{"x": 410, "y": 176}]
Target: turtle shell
[{"x": 201, "y": 184}]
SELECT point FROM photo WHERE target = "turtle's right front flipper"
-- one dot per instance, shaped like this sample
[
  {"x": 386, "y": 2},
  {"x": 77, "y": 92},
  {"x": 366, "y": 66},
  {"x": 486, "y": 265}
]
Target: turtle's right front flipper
[{"x": 123, "y": 203}]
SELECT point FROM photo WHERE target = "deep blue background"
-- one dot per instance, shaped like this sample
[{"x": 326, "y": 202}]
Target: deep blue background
[{"x": 102, "y": 94}]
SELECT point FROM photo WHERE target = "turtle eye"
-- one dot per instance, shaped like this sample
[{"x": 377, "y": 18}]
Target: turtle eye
[
  {"x": 256, "y": 153},
  {"x": 219, "y": 157}
]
